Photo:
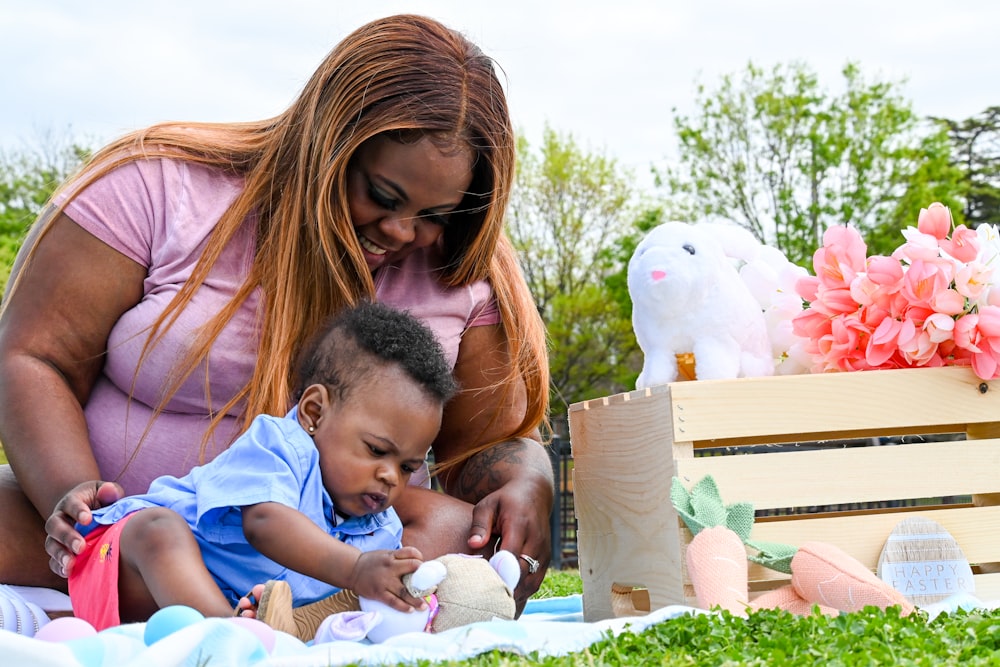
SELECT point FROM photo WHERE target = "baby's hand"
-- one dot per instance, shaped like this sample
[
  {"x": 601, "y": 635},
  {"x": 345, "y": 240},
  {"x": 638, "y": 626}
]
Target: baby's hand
[{"x": 377, "y": 575}]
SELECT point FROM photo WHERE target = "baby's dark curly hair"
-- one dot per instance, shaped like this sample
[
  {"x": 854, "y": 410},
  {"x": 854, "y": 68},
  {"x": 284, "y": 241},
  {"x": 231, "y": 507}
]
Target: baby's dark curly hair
[{"x": 348, "y": 344}]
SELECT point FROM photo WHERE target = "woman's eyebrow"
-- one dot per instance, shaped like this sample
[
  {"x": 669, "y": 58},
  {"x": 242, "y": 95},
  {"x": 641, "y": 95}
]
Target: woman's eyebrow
[{"x": 398, "y": 189}]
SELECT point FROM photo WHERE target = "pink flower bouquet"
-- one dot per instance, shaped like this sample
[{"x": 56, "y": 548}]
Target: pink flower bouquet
[{"x": 933, "y": 302}]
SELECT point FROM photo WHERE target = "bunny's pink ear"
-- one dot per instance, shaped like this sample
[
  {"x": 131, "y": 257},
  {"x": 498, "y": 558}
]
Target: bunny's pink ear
[{"x": 506, "y": 565}]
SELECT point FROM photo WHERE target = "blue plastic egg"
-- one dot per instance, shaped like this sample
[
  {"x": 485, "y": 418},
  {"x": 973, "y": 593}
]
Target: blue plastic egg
[{"x": 168, "y": 621}]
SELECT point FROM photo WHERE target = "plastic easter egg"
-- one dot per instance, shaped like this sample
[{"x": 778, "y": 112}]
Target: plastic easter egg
[
  {"x": 168, "y": 621},
  {"x": 64, "y": 629},
  {"x": 261, "y": 630}
]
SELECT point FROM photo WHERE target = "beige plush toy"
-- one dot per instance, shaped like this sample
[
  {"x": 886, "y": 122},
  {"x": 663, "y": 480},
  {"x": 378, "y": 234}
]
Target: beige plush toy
[{"x": 458, "y": 589}]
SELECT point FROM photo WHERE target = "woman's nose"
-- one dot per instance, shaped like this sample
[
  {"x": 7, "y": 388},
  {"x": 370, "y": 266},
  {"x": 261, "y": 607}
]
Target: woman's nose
[{"x": 400, "y": 229}]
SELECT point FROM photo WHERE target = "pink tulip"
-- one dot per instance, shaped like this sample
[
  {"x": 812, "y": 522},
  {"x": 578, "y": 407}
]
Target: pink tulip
[
  {"x": 972, "y": 279},
  {"x": 963, "y": 244},
  {"x": 935, "y": 220},
  {"x": 989, "y": 321},
  {"x": 882, "y": 344},
  {"x": 835, "y": 301},
  {"x": 980, "y": 335},
  {"x": 920, "y": 350},
  {"x": 923, "y": 280},
  {"x": 939, "y": 327},
  {"x": 884, "y": 271},
  {"x": 948, "y": 302},
  {"x": 841, "y": 256},
  {"x": 806, "y": 287},
  {"x": 966, "y": 333},
  {"x": 918, "y": 246}
]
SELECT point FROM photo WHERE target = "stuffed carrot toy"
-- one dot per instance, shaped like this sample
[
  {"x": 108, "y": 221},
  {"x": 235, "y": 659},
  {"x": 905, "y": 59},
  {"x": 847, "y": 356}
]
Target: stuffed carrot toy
[{"x": 822, "y": 575}]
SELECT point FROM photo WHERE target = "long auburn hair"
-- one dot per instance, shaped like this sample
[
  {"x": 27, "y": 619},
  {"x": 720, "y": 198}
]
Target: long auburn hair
[{"x": 404, "y": 75}]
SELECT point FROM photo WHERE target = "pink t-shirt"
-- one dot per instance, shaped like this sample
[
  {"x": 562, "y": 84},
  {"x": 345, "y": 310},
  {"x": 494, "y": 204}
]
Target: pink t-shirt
[{"x": 160, "y": 213}]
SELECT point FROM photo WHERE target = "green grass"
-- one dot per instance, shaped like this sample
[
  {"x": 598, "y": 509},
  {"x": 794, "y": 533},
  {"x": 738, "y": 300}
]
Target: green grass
[
  {"x": 559, "y": 583},
  {"x": 768, "y": 637}
]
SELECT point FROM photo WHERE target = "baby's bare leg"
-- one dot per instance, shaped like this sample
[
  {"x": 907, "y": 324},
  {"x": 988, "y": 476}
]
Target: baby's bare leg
[{"x": 161, "y": 565}]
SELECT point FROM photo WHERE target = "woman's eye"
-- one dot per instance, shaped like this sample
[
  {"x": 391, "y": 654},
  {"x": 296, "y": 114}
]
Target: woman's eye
[
  {"x": 441, "y": 219},
  {"x": 381, "y": 198}
]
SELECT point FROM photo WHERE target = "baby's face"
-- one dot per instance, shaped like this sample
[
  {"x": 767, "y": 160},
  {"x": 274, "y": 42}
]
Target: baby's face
[{"x": 370, "y": 444}]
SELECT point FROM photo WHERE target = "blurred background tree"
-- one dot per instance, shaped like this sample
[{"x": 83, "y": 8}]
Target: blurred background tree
[
  {"x": 778, "y": 154},
  {"x": 976, "y": 152},
  {"x": 571, "y": 214},
  {"x": 28, "y": 177}
]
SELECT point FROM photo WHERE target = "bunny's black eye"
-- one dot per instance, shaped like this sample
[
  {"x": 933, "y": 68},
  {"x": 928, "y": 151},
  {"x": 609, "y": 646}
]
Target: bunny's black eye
[{"x": 689, "y": 248}]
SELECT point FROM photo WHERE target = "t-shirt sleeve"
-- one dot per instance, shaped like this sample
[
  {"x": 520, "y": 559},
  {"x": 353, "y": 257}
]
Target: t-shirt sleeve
[
  {"x": 484, "y": 309},
  {"x": 260, "y": 466},
  {"x": 126, "y": 208}
]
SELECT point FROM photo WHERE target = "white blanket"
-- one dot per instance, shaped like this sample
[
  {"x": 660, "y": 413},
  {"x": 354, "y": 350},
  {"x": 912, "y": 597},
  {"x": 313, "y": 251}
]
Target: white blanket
[{"x": 550, "y": 627}]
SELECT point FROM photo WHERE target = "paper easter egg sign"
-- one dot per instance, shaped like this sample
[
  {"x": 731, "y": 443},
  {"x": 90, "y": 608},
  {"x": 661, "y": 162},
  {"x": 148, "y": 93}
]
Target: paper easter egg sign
[{"x": 924, "y": 562}]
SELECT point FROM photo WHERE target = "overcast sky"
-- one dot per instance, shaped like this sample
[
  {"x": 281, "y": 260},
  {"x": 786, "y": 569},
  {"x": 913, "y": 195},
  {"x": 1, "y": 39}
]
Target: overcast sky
[{"x": 610, "y": 72}]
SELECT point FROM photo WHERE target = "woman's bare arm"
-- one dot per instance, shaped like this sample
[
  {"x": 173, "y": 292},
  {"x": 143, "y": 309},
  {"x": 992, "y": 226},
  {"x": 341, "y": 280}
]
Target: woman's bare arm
[
  {"x": 53, "y": 338},
  {"x": 510, "y": 483}
]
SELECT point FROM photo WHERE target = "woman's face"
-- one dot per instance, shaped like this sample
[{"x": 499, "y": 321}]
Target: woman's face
[{"x": 400, "y": 195}]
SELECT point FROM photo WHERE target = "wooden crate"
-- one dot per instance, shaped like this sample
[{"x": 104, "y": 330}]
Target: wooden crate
[{"x": 628, "y": 447}]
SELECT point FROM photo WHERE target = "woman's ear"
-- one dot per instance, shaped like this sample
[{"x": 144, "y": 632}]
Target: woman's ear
[{"x": 313, "y": 403}]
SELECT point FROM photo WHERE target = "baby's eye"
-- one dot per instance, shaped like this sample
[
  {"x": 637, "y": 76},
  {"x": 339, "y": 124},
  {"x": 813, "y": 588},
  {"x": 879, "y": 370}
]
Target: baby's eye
[
  {"x": 408, "y": 469},
  {"x": 376, "y": 451}
]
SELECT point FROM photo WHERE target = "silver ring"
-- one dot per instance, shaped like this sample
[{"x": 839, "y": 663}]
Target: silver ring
[{"x": 532, "y": 563}]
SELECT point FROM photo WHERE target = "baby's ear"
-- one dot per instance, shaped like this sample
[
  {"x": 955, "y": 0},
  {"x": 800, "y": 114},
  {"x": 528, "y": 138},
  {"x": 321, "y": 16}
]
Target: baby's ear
[
  {"x": 506, "y": 565},
  {"x": 311, "y": 405}
]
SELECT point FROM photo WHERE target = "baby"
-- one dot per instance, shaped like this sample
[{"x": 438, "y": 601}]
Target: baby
[{"x": 305, "y": 498}]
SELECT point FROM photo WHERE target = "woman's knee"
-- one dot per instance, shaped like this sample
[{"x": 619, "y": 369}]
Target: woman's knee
[{"x": 23, "y": 560}]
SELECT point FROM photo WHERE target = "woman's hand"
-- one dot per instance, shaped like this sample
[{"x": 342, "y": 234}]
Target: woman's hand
[
  {"x": 516, "y": 515},
  {"x": 62, "y": 541}
]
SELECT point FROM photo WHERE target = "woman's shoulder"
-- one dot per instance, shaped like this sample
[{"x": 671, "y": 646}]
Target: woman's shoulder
[{"x": 146, "y": 202}]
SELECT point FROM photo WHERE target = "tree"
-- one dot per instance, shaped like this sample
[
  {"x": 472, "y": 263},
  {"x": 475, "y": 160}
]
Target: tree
[
  {"x": 571, "y": 213},
  {"x": 777, "y": 154},
  {"x": 28, "y": 178},
  {"x": 976, "y": 151}
]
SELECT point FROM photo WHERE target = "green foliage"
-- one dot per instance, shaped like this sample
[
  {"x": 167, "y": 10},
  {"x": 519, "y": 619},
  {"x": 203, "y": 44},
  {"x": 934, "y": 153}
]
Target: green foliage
[
  {"x": 559, "y": 583},
  {"x": 571, "y": 216},
  {"x": 27, "y": 180},
  {"x": 771, "y": 637},
  {"x": 975, "y": 144},
  {"x": 781, "y": 156}
]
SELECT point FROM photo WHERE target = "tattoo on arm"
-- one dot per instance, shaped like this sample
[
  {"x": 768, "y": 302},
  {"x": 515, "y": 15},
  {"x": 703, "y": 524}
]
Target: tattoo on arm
[{"x": 491, "y": 468}]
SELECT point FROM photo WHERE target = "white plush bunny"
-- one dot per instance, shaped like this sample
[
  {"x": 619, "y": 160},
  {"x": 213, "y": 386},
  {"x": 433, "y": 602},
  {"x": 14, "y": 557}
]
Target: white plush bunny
[
  {"x": 687, "y": 297},
  {"x": 458, "y": 589}
]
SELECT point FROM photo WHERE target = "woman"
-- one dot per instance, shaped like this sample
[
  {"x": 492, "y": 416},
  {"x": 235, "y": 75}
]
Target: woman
[{"x": 156, "y": 307}]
